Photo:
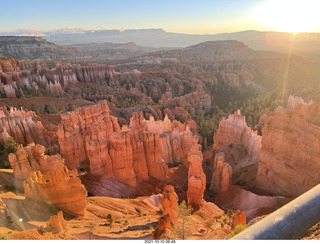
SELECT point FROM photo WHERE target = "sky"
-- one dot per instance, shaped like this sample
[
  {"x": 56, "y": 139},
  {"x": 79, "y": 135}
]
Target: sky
[{"x": 181, "y": 16}]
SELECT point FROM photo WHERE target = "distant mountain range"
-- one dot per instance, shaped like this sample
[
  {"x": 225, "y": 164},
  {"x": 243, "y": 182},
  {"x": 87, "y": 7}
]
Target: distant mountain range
[
  {"x": 38, "y": 48},
  {"x": 302, "y": 44}
]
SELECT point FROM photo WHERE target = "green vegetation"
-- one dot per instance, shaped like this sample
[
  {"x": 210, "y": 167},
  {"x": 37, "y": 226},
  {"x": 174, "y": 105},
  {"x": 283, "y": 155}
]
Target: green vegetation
[
  {"x": 252, "y": 108},
  {"x": 208, "y": 226},
  {"x": 125, "y": 223},
  {"x": 110, "y": 219},
  {"x": 237, "y": 230},
  {"x": 3, "y": 237},
  {"x": 200, "y": 214},
  {"x": 230, "y": 215},
  {"x": 184, "y": 212},
  {"x": 12, "y": 146}
]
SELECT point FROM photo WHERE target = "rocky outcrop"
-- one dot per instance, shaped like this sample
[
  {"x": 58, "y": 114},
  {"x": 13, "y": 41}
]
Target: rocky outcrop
[
  {"x": 234, "y": 131},
  {"x": 63, "y": 189},
  {"x": 23, "y": 127},
  {"x": 90, "y": 136},
  {"x": 200, "y": 100},
  {"x": 169, "y": 203},
  {"x": 32, "y": 158},
  {"x": 35, "y": 47},
  {"x": 56, "y": 224},
  {"x": 221, "y": 176},
  {"x": 239, "y": 218},
  {"x": 229, "y": 196},
  {"x": 196, "y": 176},
  {"x": 289, "y": 158}
]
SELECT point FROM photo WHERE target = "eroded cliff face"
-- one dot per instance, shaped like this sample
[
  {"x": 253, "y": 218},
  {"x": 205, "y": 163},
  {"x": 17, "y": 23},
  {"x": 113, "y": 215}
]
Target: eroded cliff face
[
  {"x": 289, "y": 158},
  {"x": 169, "y": 203},
  {"x": 91, "y": 137},
  {"x": 23, "y": 127},
  {"x": 196, "y": 176},
  {"x": 221, "y": 176},
  {"x": 235, "y": 132},
  {"x": 62, "y": 189},
  {"x": 200, "y": 100},
  {"x": 32, "y": 158},
  {"x": 20, "y": 77}
]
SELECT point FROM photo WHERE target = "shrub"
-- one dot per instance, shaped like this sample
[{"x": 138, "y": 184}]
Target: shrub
[
  {"x": 110, "y": 219},
  {"x": 184, "y": 212},
  {"x": 12, "y": 146},
  {"x": 237, "y": 230},
  {"x": 3, "y": 237},
  {"x": 200, "y": 214}
]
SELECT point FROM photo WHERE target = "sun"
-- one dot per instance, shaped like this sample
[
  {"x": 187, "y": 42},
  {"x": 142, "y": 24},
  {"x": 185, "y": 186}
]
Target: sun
[{"x": 289, "y": 15}]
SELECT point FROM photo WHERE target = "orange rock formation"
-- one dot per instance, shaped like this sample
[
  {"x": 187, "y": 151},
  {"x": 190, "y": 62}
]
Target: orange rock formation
[
  {"x": 90, "y": 136},
  {"x": 196, "y": 176},
  {"x": 62, "y": 189},
  {"x": 234, "y": 131},
  {"x": 239, "y": 218},
  {"x": 169, "y": 203},
  {"x": 56, "y": 224},
  {"x": 32, "y": 158},
  {"x": 22, "y": 127},
  {"x": 289, "y": 158},
  {"x": 221, "y": 176}
]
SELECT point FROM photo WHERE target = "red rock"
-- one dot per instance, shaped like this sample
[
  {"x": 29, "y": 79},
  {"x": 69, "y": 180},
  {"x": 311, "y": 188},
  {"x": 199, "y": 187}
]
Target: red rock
[
  {"x": 23, "y": 127},
  {"x": 234, "y": 131},
  {"x": 196, "y": 176},
  {"x": 289, "y": 158},
  {"x": 239, "y": 218},
  {"x": 199, "y": 100},
  {"x": 62, "y": 189},
  {"x": 169, "y": 203},
  {"x": 57, "y": 224},
  {"x": 31, "y": 158},
  {"x": 221, "y": 176},
  {"x": 90, "y": 136}
]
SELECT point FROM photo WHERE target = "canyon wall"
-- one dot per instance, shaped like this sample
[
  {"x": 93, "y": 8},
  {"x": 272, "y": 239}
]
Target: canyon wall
[
  {"x": 62, "y": 189},
  {"x": 235, "y": 132},
  {"x": 23, "y": 127},
  {"x": 289, "y": 158},
  {"x": 32, "y": 158},
  {"x": 90, "y": 137},
  {"x": 221, "y": 175},
  {"x": 19, "y": 77}
]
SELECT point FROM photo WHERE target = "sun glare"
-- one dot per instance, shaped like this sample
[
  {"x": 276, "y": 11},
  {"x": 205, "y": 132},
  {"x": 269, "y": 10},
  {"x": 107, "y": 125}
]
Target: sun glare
[{"x": 289, "y": 15}]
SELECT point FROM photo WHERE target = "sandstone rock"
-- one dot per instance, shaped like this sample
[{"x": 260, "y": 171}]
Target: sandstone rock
[
  {"x": 239, "y": 218},
  {"x": 23, "y": 127},
  {"x": 196, "y": 176},
  {"x": 289, "y": 158},
  {"x": 199, "y": 100},
  {"x": 234, "y": 131},
  {"x": 252, "y": 204},
  {"x": 57, "y": 224},
  {"x": 32, "y": 158},
  {"x": 169, "y": 203},
  {"x": 62, "y": 189},
  {"x": 90, "y": 136},
  {"x": 221, "y": 176}
]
